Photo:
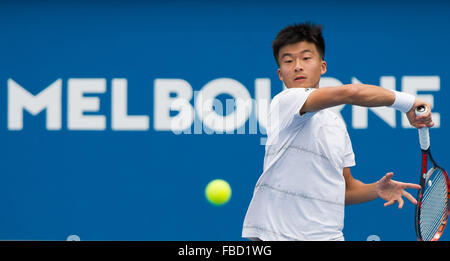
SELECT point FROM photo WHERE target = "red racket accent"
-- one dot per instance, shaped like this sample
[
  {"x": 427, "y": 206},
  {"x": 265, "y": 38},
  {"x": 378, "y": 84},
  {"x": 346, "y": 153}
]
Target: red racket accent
[{"x": 424, "y": 162}]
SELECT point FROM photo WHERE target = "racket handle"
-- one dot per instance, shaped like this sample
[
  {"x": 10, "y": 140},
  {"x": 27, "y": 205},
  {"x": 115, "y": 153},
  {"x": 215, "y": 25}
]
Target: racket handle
[{"x": 424, "y": 135}]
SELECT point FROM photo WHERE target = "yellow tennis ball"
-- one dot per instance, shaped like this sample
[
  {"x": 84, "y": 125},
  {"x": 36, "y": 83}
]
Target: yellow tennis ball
[{"x": 218, "y": 192}]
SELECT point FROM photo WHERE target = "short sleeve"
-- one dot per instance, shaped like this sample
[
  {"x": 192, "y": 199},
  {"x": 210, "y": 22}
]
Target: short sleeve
[
  {"x": 349, "y": 155},
  {"x": 285, "y": 108}
]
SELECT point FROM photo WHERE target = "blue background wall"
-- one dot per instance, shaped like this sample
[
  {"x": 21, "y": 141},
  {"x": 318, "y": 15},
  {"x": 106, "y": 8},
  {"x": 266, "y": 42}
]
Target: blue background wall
[{"x": 149, "y": 185}]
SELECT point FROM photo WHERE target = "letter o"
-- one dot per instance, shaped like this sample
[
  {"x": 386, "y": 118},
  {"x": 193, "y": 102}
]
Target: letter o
[{"x": 232, "y": 121}]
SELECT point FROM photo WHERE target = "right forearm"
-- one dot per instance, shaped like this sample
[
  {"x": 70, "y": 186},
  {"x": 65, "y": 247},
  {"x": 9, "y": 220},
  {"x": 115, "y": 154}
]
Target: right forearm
[
  {"x": 369, "y": 95},
  {"x": 374, "y": 96},
  {"x": 356, "y": 94}
]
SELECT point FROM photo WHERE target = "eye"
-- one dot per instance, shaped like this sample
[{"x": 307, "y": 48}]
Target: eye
[
  {"x": 287, "y": 61},
  {"x": 306, "y": 58}
]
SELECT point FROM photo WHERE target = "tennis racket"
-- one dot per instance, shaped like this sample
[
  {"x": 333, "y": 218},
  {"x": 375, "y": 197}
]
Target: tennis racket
[{"x": 432, "y": 207}]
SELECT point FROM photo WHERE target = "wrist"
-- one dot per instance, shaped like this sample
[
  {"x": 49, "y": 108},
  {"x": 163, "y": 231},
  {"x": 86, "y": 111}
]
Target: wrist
[
  {"x": 403, "y": 101},
  {"x": 376, "y": 189}
]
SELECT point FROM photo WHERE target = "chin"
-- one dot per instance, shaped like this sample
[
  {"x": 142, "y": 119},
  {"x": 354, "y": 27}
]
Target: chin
[{"x": 300, "y": 85}]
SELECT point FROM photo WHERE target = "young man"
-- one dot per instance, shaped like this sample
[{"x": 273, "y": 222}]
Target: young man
[{"x": 306, "y": 183}]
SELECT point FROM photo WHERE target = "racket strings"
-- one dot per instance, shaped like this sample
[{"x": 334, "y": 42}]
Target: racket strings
[
  {"x": 434, "y": 205},
  {"x": 433, "y": 209}
]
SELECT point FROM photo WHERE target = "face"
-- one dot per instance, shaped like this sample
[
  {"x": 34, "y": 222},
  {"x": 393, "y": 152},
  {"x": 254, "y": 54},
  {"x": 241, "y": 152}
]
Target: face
[{"x": 301, "y": 65}]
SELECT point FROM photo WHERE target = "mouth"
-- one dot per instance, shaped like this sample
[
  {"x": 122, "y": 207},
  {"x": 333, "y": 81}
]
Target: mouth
[{"x": 299, "y": 78}]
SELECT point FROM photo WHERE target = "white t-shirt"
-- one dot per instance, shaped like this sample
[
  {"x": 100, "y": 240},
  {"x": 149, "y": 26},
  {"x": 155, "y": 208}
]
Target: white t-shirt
[{"x": 301, "y": 193}]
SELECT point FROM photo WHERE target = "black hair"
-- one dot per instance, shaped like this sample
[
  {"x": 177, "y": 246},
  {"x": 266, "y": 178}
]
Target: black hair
[{"x": 295, "y": 33}]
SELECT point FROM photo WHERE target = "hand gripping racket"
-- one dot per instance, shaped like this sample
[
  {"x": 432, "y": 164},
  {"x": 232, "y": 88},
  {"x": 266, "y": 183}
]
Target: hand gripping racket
[{"x": 432, "y": 207}]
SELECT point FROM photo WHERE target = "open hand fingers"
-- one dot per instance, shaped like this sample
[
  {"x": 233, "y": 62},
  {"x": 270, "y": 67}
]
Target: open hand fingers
[
  {"x": 409, "y": 197},
  {"x": 400, "y": 203},
  {"x": 400, "y": 200},
  {"x": 410, "y": 186},
  {"x": 392, "y": 201}
]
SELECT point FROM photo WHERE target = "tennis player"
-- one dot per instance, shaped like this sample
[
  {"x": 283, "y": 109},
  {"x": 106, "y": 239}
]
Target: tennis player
[{"x": 306, "y": 182}]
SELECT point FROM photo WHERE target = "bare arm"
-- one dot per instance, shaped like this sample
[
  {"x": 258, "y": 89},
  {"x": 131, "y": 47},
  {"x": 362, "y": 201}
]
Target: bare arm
[
  {"x": 356, "y": 94},
  {"x": 390, "y": 190},
  {"x": 357, "y": 192},
  {"x": 363, "y": 95}
]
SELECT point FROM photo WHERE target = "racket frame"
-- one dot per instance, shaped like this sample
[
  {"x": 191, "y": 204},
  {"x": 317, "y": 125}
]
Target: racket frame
[{"x": 426, "y": 154}]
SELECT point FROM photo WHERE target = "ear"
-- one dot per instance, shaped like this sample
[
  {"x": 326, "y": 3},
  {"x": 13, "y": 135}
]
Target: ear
[
  {"x": 279, "y": 74},
  {"x": 323, "y": 68}
]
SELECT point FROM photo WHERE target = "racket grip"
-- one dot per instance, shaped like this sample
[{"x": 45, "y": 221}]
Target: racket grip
[
  {"x": 424, "y": 135},
  {"x": 424, "y": 138}
]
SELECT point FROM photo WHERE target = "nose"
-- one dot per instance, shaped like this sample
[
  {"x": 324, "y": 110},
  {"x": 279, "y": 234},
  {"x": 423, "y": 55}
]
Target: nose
[{"x": 298, "y": 65}]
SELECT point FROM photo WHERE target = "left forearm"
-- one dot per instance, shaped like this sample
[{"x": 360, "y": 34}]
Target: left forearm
[
  {"x": 390, "y": 190},
  {"x": 359, "y": 192}
]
